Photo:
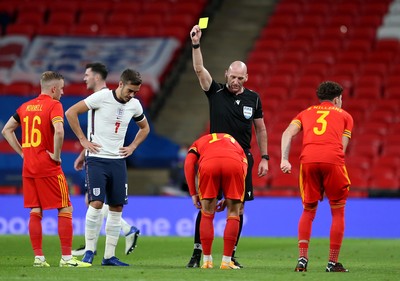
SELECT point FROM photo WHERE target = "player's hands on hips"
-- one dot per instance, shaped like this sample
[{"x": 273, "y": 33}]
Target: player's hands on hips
[
  {"x": 54, "y": 158},
  {"x": 286, "y": 167},
  {"x": 195, "y": 34},
  {"x": 221, "y": 205},
  {"x": 126, "y": 151},
  {"x": 196, "y": 201},
  {"x": 91, "y": 146}
]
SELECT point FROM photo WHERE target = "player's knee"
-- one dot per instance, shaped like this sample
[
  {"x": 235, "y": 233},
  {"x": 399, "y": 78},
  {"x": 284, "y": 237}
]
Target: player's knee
[{"x": 310, "y": 206}]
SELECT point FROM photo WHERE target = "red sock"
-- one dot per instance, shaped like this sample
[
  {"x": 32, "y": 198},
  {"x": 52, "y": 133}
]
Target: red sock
[
  {"x": 65, "y": 232},
  {"x": 35, "y": 232},
  {"x": 337, "y": 233},
  {"x": 206, "y": 232},
  {"x": 305, "y": 226},
  {"x": 230, "y": 234}
]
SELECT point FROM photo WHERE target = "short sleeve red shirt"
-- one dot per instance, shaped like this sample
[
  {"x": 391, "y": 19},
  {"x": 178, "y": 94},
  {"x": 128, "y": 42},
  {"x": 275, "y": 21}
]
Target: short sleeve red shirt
[
  {"x": 324, "y": 126},
  {"x": 37, "y": 117}
]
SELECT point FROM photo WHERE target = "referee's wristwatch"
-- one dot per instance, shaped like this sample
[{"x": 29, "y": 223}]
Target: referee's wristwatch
[{"x": 265, "y": 156}]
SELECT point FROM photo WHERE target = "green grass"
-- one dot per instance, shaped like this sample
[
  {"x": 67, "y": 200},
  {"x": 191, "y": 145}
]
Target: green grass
[{"x": 164, "y": 258}]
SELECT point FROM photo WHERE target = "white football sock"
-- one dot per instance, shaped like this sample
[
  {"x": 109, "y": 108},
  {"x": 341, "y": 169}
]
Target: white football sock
[
  {"x": 113, "y": 228},
  {"x": 92, "y": 218}
]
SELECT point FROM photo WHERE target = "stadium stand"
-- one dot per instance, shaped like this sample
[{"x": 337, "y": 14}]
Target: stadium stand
[
  {"x": 26, "y": 21},
  {"x": 353, "y": 43}
]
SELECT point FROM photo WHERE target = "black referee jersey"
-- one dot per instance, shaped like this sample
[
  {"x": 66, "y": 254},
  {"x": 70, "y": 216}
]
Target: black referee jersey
[{"x": 233, "y": 114}]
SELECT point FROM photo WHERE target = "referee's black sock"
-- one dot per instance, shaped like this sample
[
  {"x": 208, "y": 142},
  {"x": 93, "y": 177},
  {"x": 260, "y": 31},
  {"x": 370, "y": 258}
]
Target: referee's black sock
[
  {"x": 197, "y": 242},
  {"x": 238, "y": 237}
]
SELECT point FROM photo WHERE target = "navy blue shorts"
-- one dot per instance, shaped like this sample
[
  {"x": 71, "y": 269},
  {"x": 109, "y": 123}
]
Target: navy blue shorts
[{"x": 106, "y": 180}]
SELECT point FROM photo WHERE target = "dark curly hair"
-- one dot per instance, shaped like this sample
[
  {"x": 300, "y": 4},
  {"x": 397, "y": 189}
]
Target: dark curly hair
[{"x": 328, "y": 90}]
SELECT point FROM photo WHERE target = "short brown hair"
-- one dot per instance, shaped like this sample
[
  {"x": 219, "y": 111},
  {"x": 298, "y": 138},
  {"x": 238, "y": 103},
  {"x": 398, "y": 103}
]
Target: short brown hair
[{"x": 130, "y": 76}]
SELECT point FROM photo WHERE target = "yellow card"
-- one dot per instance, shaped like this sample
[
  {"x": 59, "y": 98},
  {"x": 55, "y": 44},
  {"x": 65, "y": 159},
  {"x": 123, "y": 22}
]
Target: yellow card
[{"x": 203, "y": 22}]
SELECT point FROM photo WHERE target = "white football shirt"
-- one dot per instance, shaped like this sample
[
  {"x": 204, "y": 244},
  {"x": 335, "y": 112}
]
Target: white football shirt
[{"x": 108, "y": 121}]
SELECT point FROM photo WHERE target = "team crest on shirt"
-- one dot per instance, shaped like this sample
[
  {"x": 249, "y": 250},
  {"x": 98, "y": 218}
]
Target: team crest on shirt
[
  {"x": 247, "y": 112},
  {"x": 120, "y": 113},
  {"x": 96, "y": 191}
]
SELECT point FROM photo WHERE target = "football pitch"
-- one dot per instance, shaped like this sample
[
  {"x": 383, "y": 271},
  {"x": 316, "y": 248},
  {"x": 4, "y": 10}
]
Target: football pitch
[{"x": 164, "y": 258}]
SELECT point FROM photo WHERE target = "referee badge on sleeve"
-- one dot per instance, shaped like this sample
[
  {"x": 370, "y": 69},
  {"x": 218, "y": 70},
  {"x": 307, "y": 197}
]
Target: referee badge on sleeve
[{"x": 247, "y": 112}]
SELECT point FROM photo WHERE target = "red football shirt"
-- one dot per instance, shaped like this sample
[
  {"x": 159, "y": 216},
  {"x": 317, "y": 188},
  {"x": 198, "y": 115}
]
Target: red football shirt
[
  {"x": 213, "y": 150},
  {"x": 324, "y": 126},
  {"x": 37, "y": 117}
]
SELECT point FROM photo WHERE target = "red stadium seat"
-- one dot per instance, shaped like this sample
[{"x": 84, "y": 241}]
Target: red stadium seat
[
  {"x": 291, "y": 8},
  {"x": 320, "y": 69},
  {"x": 122, "y": 18},
  {"x": 375, "y": 8},
  {"x": 281, "y": 80},
  {"x": 64, "y": 6},
  {"x": 52, "y": 30},
  {"x": 285, "y": 181},
  {"x": 312, "y": 20},
  {"x": 330, "y": 45},
  {"x": 340, "y": 20},
  {"x": 36, "y": 7},
  {"x": 100, "y": 7},
  {"x": 383, "y": 115},
  {"x": 368, "y": 150},
  {"x": 93, "y": 18},
  {"x": 113, "y": 30},
  {"x": 142, "y": 31},
  {"x": 292, "y": 57},
  {"x": 373, "y": 80},
  {"x": 267, "y": 45},
  {"x": 146, "y": 95},
  {"x": 351, "y": 56},
  {"x": 62, "y": 17},
  {"x": 367, "y": 92},
  {"x": 76, "y": 89},
  {"x": 304, "y": 92},
  {"x": 279, "y": 93},
  {"x": 275, "y": 33},
  {"x": 359, "y": 179},
  {"x": 392, "y": 45},
  {"x": 327, "y": 57},
  {"x": 19, "y": 89},
  {"x": 311, "y": 80},
  {"x": 89, "y": 30},
  {"x": 30, "y": 17},
  {"x": 8, "y": 8},
  {"x": 345, "y": 69},
  {"x": 369, "y": 20},
  {"x": 348, "y": 9},
  {"x": 290, "y": 68},
  {"x": 361, "y": 45},
  {"x": 301, "y": 45},
  {"x": 392, "y": 80},
  {"x": 378, "y": 128},
  {"x": 392, "y": 92},
  {"x": 21, "y": 29}
]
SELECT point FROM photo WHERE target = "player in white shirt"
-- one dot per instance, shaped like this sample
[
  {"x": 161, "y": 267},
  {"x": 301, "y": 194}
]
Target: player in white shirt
[
  {"x": 95, "y": 79},
  {"x": 106, "y": 166}
]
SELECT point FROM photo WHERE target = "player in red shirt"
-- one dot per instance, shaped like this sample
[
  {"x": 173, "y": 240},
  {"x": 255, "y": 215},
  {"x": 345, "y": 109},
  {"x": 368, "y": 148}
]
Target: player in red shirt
[
  {"x": 326, "y": 133},
  {"x": 221, "y": 164},
  {"x": 44, "y": 183}
]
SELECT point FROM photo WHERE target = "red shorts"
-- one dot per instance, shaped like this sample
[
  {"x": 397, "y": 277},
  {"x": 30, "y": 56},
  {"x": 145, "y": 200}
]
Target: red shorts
[
  {"x": 317, "y": 178},
  {"x": 226, "y": 173},
  {"x": 46, "y": 193}
]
